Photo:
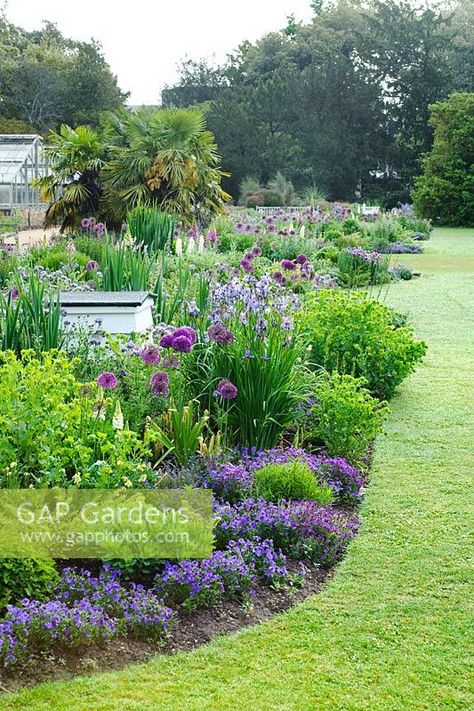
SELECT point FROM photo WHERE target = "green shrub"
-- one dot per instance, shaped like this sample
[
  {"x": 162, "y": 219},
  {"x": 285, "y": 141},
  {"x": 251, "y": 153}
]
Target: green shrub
[
  {"x": 229, "y": 241},
  {"x": 292, "y": 481},
  {"x": 25, "y": 577},
  {"x": 92, "y": 246},
  {"x": 367, "y": 270},
  {"x": 353, "y": 334},
  {"x": 445, "y": 191},
  {"x": 56, "y": 431},
  {"x": 351, "y": 225},
  {"x": 265, "y": 197},
  {"x": 345, "y": 418},
  {"x": 349, "y": 240}
]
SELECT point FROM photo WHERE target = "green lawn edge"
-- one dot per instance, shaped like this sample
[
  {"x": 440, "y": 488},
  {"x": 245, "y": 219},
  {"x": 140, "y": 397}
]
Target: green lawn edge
[{"x": 392, "y": 628}]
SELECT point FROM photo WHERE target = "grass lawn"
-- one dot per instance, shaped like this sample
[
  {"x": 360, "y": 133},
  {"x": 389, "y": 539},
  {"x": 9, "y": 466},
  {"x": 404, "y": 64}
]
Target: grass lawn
[{"x": 391, "y": 630}]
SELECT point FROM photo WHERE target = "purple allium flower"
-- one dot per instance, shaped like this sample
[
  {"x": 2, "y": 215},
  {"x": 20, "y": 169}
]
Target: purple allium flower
[
  {"x": 288, "y": 264},
  {"x": 256, "y": 252},
  {"x": 107, "y": 380},
  {"x": 91, "y": 265},
  {"x": 226, "y": 390},
  {"x": 150, "y": 354},
  {"x": 186, "y": 331},
  {"x": 212, "y": 236},
  {"x": 182, "y": 344},
  {"x": 159, "y": 383},
  {"x": 85, "y": 223},
  {"x": 301, "y": 259},
  {"x": 220, "y": 334},
  {"x": 166, "y": 340},
  {"x": 246, "y": 265},
  {"x": 170, "y": 362},
  {"x": 14, "y": 292}
]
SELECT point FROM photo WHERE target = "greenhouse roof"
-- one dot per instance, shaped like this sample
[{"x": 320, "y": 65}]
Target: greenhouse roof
[{"x": 15, "y": 151}]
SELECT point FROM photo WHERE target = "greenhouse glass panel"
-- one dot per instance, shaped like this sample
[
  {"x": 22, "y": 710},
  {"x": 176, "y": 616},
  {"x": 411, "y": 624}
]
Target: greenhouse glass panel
[{"x": 22, "y": 158}]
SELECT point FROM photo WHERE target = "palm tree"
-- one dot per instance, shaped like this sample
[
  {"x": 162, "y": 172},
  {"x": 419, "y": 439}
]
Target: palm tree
[
  {"x": 73, "y": 188},
  {"x": 163, "y": 157}
]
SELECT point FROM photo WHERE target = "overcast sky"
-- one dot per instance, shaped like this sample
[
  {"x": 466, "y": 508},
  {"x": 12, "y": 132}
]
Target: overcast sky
[{"x": 144, "y": 39}]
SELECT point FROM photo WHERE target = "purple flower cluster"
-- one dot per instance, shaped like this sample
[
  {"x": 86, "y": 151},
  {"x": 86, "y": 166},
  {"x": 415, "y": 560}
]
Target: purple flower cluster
[
  {"x": 302, "y": 529},
  {"x": 150, "y": 354},
  {"x": 92, "y": 265},
  {"x": 107, "y": 380},
  {"x": 344, "y": 479},
  {"x": 91, "y": 224},
  {"x": 212, "y": 237},
  {"x": 160, "y": 383},
  {"x": 230, "y": 482},
  {"x": 220, "y": 334},
  {"x": 247, "y": 260},
  {"x": 229, "y": 573},
  {"x": 226, "y": 390},
  {"x": 137, "y": 611},
  {"x": 400, "y": 248},
  {"x": 239, "y": 299},
  {"x": 368, "y": 257},
  {"x": 37, "y": 625},
  {"x": 182, "y": 339}
]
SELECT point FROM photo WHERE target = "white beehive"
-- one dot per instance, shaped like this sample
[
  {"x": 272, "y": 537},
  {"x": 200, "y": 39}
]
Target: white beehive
[{"x": 120, "y": 311}]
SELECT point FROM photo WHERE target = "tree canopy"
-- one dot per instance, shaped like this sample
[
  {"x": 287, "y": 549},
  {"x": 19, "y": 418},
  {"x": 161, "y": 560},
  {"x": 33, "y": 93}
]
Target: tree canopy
[
  {"x": 47, "y": 79},
  {"x": 445, "y": 191},
  {"x": 340, "y": 102}
]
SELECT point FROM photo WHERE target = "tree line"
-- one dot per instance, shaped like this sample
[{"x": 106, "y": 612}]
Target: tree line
[
  {"x": 340, "y": 103},
  {"x": 47, "y": 79}
]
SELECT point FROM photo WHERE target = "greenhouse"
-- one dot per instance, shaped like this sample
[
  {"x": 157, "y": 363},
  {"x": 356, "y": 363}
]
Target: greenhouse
[{"x": 22, "y": 158}]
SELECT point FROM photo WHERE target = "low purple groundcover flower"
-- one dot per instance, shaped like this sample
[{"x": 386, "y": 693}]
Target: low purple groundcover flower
[
  {"x": 150, "y": 354},
  {"x": 233, "y": 572},
  {"x": 159, "y": 383},
  {"x": 302, "y": 529},
  {"x": 226, "y": 390},
  {"x": 229, "y": 482},
  {"x": 401, "y": 248},
  {"x": 85, "y": 610},
  {"x": 107, "y": 380}
]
